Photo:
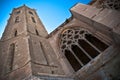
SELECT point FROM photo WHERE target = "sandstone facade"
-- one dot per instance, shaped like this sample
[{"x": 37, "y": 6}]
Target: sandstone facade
[{"x": 85, "y": 47}]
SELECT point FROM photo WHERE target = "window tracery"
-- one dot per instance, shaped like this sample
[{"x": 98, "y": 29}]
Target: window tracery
[
  {"x": 80, "y": 46},
  {"x": 112, "y": 4}
]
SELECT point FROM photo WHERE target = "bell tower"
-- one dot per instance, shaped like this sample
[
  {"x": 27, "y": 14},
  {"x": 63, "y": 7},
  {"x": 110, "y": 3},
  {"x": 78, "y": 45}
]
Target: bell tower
[{"x": 25, "y": 49}]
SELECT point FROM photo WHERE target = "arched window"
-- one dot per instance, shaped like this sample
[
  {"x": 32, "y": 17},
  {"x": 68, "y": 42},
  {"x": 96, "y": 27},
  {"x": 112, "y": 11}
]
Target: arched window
[
  {"x": 79, "y": 46},
  {"x": 10, "y": 58}
]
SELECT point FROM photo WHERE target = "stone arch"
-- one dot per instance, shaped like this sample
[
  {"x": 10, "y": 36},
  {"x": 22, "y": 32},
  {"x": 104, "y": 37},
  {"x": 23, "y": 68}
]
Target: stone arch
[{"x": 82, "y": 44}]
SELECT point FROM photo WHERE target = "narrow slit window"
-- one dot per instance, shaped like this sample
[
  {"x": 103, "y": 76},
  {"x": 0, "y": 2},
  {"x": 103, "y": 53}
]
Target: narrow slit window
[
  {"x": 37, "y": 33},
  {"x": 33, "y": 20},
  {"x": 15, "y": 34}
]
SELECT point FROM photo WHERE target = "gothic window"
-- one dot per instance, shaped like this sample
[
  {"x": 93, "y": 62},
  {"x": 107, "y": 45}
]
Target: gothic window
[
  {"x": 37, "y": 32},
  {"x": 30, "y": 13},
  {"x": 17, "y": 19},
  {"x": 112, "y": 4},
  {"x": 11, "y": 57},
  {"x": 33, "y": 20},
  {"x": 79, "y": 47}
]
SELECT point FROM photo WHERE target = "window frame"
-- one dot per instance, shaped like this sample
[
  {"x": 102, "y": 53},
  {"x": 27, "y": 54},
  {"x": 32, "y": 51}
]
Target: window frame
[{"x": 89, "y": 31}]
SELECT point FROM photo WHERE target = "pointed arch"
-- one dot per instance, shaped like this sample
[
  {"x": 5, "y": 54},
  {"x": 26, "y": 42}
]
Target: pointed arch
[{"x": 80, "y": 46}]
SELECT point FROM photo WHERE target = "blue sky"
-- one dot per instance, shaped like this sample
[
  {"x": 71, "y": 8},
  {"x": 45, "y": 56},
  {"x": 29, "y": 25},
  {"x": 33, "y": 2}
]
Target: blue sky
[{"x": 51, "y": 12}]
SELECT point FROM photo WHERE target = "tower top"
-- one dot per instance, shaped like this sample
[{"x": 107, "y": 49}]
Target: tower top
[{"x": 24, "y": 20}]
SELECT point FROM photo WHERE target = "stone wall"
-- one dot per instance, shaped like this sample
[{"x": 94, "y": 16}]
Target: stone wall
[{"x": 105, "y": 24}]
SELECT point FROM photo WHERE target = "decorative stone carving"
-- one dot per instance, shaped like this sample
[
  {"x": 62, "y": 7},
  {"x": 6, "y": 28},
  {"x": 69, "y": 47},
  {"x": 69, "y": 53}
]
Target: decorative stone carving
[
  {"x": 112, "y": 4},
  {"x": 80, "y": 46}
]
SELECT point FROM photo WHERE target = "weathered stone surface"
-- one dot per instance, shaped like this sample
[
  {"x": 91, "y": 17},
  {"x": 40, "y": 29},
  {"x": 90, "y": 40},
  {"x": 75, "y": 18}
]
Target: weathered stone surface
[{"x": 37, "y": 55}]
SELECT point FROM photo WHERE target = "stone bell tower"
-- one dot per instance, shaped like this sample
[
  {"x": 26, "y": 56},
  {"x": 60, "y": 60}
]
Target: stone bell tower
[{"x": 25, "y": 49}]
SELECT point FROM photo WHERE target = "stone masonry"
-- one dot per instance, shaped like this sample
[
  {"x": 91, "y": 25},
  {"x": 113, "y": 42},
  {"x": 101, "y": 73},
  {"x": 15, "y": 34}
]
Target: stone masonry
[{"x": 85, "y": 47}]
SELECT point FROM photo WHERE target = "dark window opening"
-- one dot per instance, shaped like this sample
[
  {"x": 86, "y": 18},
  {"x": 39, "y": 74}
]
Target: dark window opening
[
  {"x": 17, "y": 12},
  {"x": 96, "y": 42},
  {"x": 33, "y": 20},
  {"x": 72, "y": 60},
  {"x": 15, "y": 34},
  {"x": 30, "y": 12},
  {"x": 88, "y": 48},
  {"x": 37, "y": 32},
  {"x": 80, "y": 54},
  {"x": 17, "y": 19}
]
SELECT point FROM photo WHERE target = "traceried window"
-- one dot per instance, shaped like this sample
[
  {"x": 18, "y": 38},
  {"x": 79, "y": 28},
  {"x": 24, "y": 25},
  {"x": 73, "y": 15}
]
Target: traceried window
[
  {"x": 112, "y": 4},
  {"x": 10, "y": 58},
  {"x": 79, "y": 47}
]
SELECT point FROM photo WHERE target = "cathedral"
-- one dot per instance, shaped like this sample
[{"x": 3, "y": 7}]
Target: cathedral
[{"x": 85, "y": 47}]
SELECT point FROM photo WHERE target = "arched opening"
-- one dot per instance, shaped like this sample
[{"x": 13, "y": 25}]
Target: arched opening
[
  {"x": 72, "y": 60},
  {"x": 79, "y": 47}
]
